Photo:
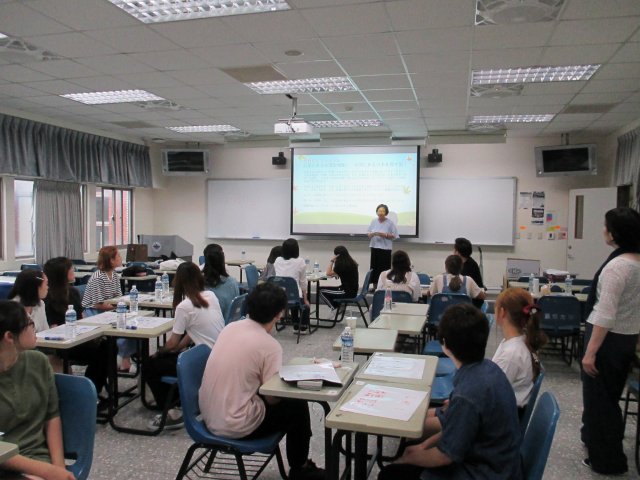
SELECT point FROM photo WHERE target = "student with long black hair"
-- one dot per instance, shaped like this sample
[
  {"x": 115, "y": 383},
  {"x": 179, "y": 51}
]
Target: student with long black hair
[
  {"x": 29, "y": 290},
  {"x": 400, "y": 277},
  {"x": 291, "y": 264},
  {"x": 216, "y": 277},
  {"x": 344, "y": 267},
  {"x": 453, "y": 282}
]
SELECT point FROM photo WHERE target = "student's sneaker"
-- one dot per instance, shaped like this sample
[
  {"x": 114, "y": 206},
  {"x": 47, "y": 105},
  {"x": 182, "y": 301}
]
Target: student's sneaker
[
  {"x": 174, "y": 420},
  {"x": 587, "y": 463},
  {"x": 309, "y": 471}
]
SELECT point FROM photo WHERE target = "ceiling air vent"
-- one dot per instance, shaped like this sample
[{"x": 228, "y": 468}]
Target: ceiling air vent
[
  {"x": 497, "y": 90},
  {"x": 159, "y": 106},
  {"x": 589, "y": 108},
  {"x": 502, "y": 12},
  {"x": 486, "y": 127},
  {"x": 14, "y": 50}
]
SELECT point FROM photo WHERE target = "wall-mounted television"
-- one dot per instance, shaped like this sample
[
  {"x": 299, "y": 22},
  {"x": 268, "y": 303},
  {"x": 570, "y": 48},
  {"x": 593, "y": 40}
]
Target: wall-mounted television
[
  {"x": 566, "y": 160},
  {"x": 185, "y": 162}
]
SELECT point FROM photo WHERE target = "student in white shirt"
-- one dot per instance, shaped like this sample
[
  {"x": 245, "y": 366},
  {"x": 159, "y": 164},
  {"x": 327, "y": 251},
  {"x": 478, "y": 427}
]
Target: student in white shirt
[
  {"x": 400, "y": 277},
  {"x": 198, "y": 320},
  {"x": 453, "y": 282},
  {"x": 517, "y": 354},
  {"x": 29, "y": 290},
  {"x": 290, "y": 264}
]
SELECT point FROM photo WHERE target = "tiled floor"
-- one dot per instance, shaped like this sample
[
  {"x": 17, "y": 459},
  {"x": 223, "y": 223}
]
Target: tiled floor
[{"x": 120, "y": 456}]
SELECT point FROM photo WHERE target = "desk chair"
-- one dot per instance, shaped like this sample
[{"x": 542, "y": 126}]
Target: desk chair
[
  {"x": 78, "y": 261},
  {"x": 561, "y": 318},
  {"x": 294, "y": 301},
  {"x": 236, "y": 310},
  {"x": 425, "y": 279},
  {"x": 361, "y": 297},
  {"x": 9, "y": 274},
  {"x": 252, "y": 274},
  {"x": 191, "y": 366},
  {"x": 441, "y": 389},
  {"x": 439, "y": 303},
  {"x": 30, "y": 266},
  {"x": 5, "y": 290},
  {"x": 77, "y": 397},
  {"x": 378, "y": 301},
  {"x": 526, "y": 416},
  {"x": 445, "y": 367},
  {"x": 539, "y": 436},
  {"x": 633, "y": 390},
  {"x": 583, "y": 282},
  {"x": 556, "y": 289},
  {"x": 542, "y": 280}
]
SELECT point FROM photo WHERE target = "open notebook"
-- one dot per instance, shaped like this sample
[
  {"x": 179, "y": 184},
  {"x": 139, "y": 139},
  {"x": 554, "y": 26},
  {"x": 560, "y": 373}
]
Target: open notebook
[{"x": 324, "y": 372}]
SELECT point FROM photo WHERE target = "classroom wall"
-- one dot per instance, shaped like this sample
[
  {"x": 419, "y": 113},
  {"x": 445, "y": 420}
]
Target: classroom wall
[{"x": 179, "y": 202}]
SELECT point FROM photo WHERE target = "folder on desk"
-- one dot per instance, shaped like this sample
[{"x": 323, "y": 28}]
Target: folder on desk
[{"x": 324, "y": 372}]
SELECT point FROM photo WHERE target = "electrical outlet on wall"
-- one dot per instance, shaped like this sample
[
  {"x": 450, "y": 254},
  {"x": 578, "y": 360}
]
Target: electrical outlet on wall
[{"x": 551, "y": 235}]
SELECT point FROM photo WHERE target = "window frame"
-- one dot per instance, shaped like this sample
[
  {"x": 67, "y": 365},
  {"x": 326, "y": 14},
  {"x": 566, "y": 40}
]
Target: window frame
[
  {"x": 15, "y": 220},
  {"x": 124, "y": 213}
]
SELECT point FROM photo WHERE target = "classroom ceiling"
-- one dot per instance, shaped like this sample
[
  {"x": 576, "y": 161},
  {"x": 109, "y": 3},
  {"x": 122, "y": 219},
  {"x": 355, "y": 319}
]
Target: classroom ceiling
[{"x": 411, "y": 61}]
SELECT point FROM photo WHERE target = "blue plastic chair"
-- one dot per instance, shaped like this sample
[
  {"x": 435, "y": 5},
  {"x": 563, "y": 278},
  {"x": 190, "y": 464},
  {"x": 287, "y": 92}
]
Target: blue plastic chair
[
  {"x": 439, "y": 303},
  {"x": 361, "y": 297},
  {"x": 633, "y": 390},
  {"x": 294, "y": 301},
  {"x": 236, "y": 309},
  {"x": 539, "y": 436},
  {"x": 5, "y": 289},
  {"x": 561, "y": 318},
  {"x": 541, "y": 279},
  {"x": 526, "y": 416},
  {"x": 441, "y": 389},
  {"x": 252, "y": 274},
  {"x": 378, "y": 301},
  {"x": 77, "y": 397},
  {"x": 201, "y": 260},
  {"x": 445, "y": 367},
  {"x": 425, "y": 279},
  {"x": 191, "y": 364},
  {"x": 30, "y": 266},
  {"x": 9, "y": 274},
  {"x": 78, "y": 261}
]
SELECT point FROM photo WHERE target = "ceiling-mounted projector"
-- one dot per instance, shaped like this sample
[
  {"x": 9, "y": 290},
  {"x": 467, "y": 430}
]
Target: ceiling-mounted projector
[{"x": 292, "y": 126}]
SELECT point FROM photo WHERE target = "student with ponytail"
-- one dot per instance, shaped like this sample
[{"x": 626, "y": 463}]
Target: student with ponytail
[
  {"x": 453, "y": 282},
  {"x": 517, "y": 354}
]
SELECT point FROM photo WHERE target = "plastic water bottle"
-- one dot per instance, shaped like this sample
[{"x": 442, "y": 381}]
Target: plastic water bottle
[
  {"x": 158, "y": 290},
  {"x": 346, "y": 354},
  {"x": 307, "y": 266},
  {"x": 531, "y": 277},
  {"x": 121, "y": 315},
  {"x": 133, "y": 299},
  {"x": 388, "y": 299},
  {"x": 165, "y": 284},
  {"x": 243, "y": 255},
  {"x": 568, "y": 283},
  {"x": 316, "y": 267},
  {"x": 71, "y": 320}
]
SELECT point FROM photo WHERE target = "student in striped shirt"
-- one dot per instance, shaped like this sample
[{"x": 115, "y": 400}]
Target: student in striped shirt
[{"x": 103, "y": 285}]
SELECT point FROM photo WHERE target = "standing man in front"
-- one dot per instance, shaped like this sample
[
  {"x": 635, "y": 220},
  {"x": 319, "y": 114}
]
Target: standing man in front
[{"x": 381, "y": 232}]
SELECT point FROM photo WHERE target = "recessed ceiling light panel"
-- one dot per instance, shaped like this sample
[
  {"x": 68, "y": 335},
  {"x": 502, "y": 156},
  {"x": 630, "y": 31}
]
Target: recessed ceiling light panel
[
  {"x": 509, "y": 119},
  {"x": 347, "y": 123},
  {"x": 565, "y": 73},
  {"x": 2, "y": 35},
  {"x": 205, "y": 129},
  {"x": 306, "y": 85},
  {"x": 505, "y": 12},
  {"x": 157, "y": 11},
  {"x": 116, "y": 96}
]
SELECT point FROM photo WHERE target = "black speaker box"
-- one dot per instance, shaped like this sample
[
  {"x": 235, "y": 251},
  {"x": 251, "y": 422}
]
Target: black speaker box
[
  {"x": 434, "y": 156},
  {"x": 279, "y": 160}
]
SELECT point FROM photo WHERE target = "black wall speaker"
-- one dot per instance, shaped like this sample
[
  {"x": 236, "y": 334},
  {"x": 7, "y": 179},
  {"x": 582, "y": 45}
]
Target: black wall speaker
[
  {"x": 279, "y": 160},
  {"x": 434, "y": 156}
]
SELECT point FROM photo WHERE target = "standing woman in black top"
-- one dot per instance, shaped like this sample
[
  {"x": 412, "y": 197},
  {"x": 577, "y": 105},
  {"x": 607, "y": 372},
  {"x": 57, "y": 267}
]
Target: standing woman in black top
[
  {"x": 61, "y": 294},
  {"x": 344, "y": 267},
  {"x": 470, "y": 268}
]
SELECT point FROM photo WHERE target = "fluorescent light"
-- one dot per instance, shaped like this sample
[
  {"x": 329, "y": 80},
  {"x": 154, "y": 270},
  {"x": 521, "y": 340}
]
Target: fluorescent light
[
  {"x": 510, "y": 118},
  {"x": 157, "y": 11},
  {"x": 568, "y": 73},
  {"x": 2, "y": 35},
  {"x": 347, "y": 123},
  {"x": 117, "y": 96},
  {"x": 204, "y": 128},
  {"x": 306, "y": 85}
]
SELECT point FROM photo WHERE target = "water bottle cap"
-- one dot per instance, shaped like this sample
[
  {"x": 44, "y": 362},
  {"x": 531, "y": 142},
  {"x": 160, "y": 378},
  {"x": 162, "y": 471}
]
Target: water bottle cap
[
  {"x": 347, "y": 329},
  {"x": 70, "y": 307}
]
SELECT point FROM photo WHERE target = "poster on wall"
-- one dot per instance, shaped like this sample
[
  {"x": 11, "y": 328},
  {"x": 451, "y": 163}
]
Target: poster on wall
[
  {"x": 537, "y": 208},
  {"x": 524, "y": 201}
]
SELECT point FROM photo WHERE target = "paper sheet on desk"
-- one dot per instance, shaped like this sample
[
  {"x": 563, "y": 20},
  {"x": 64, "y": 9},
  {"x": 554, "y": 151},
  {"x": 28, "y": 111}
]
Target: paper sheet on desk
[
  {"x": 152, "y": 322},
  {"x": 396, "y": 367},
  {"x": 385, "y": 401},
  {"x": 324, "y": 372},
  {"x": 107, "y": 318},
  {"x": 61, "y": 331}
]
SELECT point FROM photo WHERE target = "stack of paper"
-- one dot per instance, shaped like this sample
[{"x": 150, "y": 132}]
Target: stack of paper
[
  {"x": 396, "y": 367},
  {"x": 324, "y": 372}
]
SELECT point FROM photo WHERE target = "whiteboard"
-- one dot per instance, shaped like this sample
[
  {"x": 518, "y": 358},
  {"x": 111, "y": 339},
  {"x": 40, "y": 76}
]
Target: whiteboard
[
  {"x": 249, "y": 208},
  {"x": 480, "y": 209}
]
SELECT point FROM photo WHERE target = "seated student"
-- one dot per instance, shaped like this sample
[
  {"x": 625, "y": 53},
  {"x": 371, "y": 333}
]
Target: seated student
[
  {"x": 344, "y": 267},
  {"x": 29, "y": 290},
  {"x": 453, "y": 282},
  {"x": 29, "y": 414},
  {"x": 229, "y": 399},
  {"x": 216, "y": 277},
  {"x": 61, "y": 294},
  {"x": 198, "y": 319},
  {"x": 477, "y": 435},
  {"x": 517, "y": 354},
  {"x": 400, "y": 277},
  {"x": 290, "y": 264},
  {"x": 103, "y": 285},
  {"x": 269, "y": 270},
  {"x": 470, "y": 268}
]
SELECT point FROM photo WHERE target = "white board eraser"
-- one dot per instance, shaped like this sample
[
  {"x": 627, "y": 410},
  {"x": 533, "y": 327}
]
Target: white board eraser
[{"x": 310, "y": 384}]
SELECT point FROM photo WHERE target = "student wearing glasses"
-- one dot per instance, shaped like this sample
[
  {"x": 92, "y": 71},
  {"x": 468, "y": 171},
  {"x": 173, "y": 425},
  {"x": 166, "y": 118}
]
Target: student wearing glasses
[{"x": 29, "y": 415}]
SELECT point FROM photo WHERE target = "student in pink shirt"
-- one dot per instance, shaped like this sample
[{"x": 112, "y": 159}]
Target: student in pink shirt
[{"x": 244, "y": 357}]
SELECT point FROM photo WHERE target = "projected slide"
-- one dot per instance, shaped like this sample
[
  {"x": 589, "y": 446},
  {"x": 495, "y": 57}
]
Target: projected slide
[{"x": 336, "y": 190}]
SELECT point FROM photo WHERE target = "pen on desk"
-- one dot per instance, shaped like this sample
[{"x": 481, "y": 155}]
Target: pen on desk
[{"x": 54, "y": 338}]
